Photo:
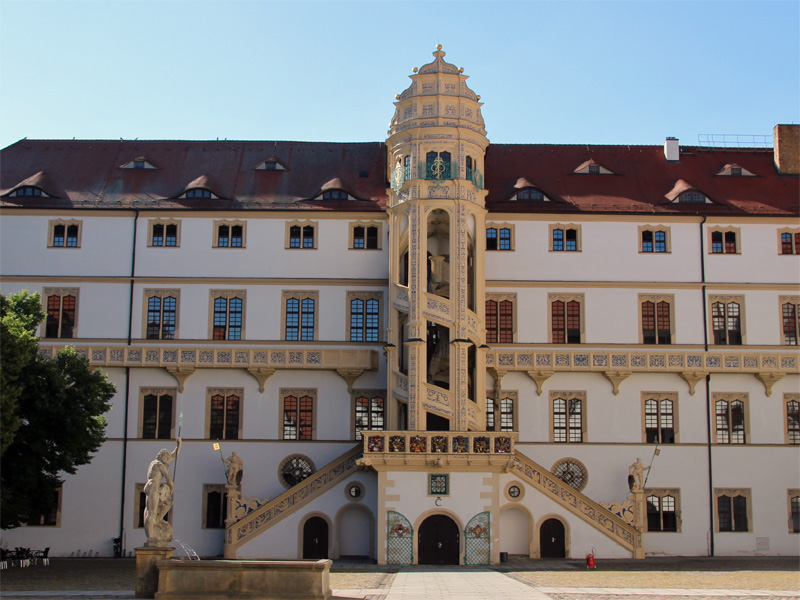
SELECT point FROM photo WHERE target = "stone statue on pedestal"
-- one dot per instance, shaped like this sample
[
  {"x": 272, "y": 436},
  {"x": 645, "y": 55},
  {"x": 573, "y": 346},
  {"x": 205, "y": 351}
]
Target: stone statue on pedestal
[
  {"x": 235, "y": 469},
  {"x": 158, "y": 491},
  {"x": 636, "y": 476}
]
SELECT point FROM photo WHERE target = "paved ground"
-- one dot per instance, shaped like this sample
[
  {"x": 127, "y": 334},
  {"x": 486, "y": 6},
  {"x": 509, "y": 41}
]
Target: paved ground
[{"x": 758, "y": 578}]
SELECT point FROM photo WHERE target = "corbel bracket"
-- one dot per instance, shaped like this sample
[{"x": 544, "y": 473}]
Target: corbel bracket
[
  {"x": 497, "y": 375},
  {"x": 350, "y": 376},
  {"x": 692, "y": 377},
  {"x": 769, "y": 379},
  {"x": 616, "y": 377},
  {"x": 181, "y": 374},
  {"x": 261, "y": 374},
  {"x": 539, "y": 377}
]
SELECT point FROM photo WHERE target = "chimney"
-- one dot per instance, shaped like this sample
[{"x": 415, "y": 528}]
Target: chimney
[
  {"x": 672, "y": 150},
  {"x": 787, "y": 149}
]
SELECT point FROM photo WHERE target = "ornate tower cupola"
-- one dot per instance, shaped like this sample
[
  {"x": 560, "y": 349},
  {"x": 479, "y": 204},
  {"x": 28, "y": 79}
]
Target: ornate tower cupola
[{"x": 435, "y": 154}]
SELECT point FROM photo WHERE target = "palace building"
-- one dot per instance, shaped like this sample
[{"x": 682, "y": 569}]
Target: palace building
[{"x": 428, "y": 350}]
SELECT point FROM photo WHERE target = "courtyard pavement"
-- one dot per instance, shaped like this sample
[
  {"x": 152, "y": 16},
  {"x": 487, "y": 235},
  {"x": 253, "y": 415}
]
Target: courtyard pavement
[{"x": 752, "y": 578}]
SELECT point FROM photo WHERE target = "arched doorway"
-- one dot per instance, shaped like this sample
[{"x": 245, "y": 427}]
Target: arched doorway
[
  {"x": 551, "y": 539},
  {"x": 437, "y": 541},
  {"x": 315, "y": 538},
  {"x": 515, "y": 529}
]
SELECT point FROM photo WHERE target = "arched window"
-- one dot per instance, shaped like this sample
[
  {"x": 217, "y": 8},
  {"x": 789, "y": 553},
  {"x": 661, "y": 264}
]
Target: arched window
[{"x": 530, "y": 195}]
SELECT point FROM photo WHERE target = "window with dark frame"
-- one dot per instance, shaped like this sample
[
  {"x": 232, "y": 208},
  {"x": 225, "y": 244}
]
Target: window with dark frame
[
  {"x": 723, "y": 242},
  {"x": 198, "y": 193},
  {"x": 502, "y": 419},
  {"x": 437, "y": 165},
  {"x": 370, "y": 414},
  {"x": 654, "y": 241},
  {"x": 301, "y": 237},
  {"x": 661, "y": 514},
  {"x": 165, "y": 235},
  {"x": 157, "y": 416},
  {"x": 566, "y": 321},
  {"x": 793, "y": 421},
  {"x": 794, "y": 507},
  {"x": 365, "y": 237},
  {"x": 656, "y": 323},
  {"x": 727, "y": 324},
  {"x": 300, "y": 319},
  {"x": 730, "y": 421},
  {"x": 659, "y": 421},
  {"x": 790, "y": 243},
  {"x": 530, "y": 194},
  {"x": 567, "y": 420},
  {"x": 298, "y": 417},
  {"x": 334, "y": 195},
  {"x": 732, "y": 513},
  {"x": 791, "y": 323},
  {"x": 161, "y": 317},
  {"x": 565, "y": 240},
  {"x": 499, "y": 317},
  {"x": 65, "y": 236},
  {"x": 224, "y": 417},
  {"x": 60, "y": 321},
  {"x": 406, "y": 168},
  {"x": 364, "y": 320},
  {"x": 216, "y": 506},
  {"x": 692, "y": 197},
  {"x": 227, "y": 318},
  {"x": 27, "y": 191}
]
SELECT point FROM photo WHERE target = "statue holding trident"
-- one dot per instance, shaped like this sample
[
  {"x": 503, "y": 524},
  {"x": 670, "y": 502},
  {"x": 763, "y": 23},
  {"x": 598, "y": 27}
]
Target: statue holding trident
[
  {"x": 234, "y": 470},
  {"x": 159, "y": 490}
]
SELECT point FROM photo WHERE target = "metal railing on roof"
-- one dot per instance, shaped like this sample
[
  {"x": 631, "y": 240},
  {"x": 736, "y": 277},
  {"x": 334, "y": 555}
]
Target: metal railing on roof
[{"x": 733, "y": 140}]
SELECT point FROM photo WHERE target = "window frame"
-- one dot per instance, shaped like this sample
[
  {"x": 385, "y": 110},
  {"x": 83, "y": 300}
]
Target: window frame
[
  {"x": 59, "y": 491},
  {"x": 661, "y": 493},
  {"x": 724, "y": 230},
  {"x": 225, "y": 392},
  {"x": 530, "y": 190},
  {"x": 499, "y": 228},
  {"x": 566, "y": 298},
  {"x": 302, "y": 224},
  {"x": 228, "y": 295},
  {"x": 162, "y": 294},
  {"x": 787, "y": 430},
  {"x": 366, "y": 225},
  {"x": 300, "y": 295},
  {"x": 66, "y": 223},
  {"x": 727, "y": 299},
  {"x": 655, "y": 229},
  {"x": 512, "y": 396},
  {"x": 729, "y": 398},
  {"x": 793, "y": 493},
  {"x": 209, "y": 488},
  {"x": 364, "y": 296},
  {"x": 553, "y": 227},
  {"x": 794, "y": 241},
  {"x": 151, "y": 224},
  {"x": 567, "y": 395},
  {"x": 370, "y": 395},
  {"x": 299, "y": 394},
  {"x": 795, "y": 302},
  {"x": 732, "y": 493},
  {"x": 660, "y": 397},
  {"x": 656, "y": 299},
  {"x": 61, "y": 293},
  {"x": 230, "y": 224},
  {"x": 497, "y": 298},
  {"x": 158, "y": 392}
]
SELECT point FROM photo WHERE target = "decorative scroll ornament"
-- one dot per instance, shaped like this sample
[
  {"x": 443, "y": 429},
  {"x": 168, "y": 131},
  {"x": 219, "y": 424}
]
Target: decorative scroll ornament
[{"x": 438, "y": 167}]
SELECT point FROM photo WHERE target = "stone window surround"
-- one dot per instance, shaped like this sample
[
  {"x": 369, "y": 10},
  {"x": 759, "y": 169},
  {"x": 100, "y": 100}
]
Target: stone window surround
[
  {"x": 224, "y": 392},
  {"x": 655, "y": 299},
  {"x": 301, "y": 295},
  {"x": 299, "y": 393},
  {"x": 61, "y": 292},
  {"x": 157, "y": 391},
  {"x": 159, "y": 221},
  {"x": 498, "y": 227},
  {"x": 565, "y": 227},
  {"x": 207, "y": 489},
  {"x": 367, "y": 393},
  {"x": 781, "y": 301},
  {"x": 227, "y": 294},
  {"x": 356, "y": 295},
  {"x": 512, "y": 395},
  {"x": 788, "y": 397},
  {"x": 661, "y": 492},
  {"x": 658, "y": 397},
  {"x": 792, "y": 231},
  {"x": 511, "y": 484},
  {"x": 351, "y": 238},
  {"x": 791, "y": 493},
  {"x": 654, "y": 229},
  {"x": 301, "y": 223},
  {"x": 567, "y": 395},
  {"x": 726, "y": 299},
  {"x": 51, "y": 225},
  {"x": 729, "y": 397},
  {"x": 731, "y": 493},
  {"x": 725, "y": 229},
  {"x": 499, "y": 297},
  {"x": 161, "y": 293},
  {"x": 566, "y": 297},
  {"x": 230, "y": 223}
]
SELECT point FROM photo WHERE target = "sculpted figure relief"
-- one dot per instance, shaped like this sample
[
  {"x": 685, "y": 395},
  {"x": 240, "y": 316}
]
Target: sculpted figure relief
[
  {"x": 159, "y": 490},
  {"x": 235, "y": 469},
  {"x": 636, "y": 475}
]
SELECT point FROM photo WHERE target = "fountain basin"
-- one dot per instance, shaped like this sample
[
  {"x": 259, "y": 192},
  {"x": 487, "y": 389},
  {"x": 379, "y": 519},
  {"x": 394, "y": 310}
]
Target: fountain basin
[{"x": 246, "y": 579}]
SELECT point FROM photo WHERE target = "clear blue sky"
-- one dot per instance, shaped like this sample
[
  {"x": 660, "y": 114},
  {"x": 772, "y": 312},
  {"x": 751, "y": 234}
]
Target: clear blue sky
[{"x": 548, "y": 72}]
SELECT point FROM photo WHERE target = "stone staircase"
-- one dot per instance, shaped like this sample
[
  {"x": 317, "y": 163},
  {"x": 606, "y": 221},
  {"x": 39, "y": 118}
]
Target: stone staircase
[
  {"x": 264, "y": 517},
  {"x": 599, "y": 517}
]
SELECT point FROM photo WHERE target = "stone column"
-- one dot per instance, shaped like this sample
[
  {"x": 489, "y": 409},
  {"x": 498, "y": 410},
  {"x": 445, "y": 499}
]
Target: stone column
[{"x": 147, "y": 571}]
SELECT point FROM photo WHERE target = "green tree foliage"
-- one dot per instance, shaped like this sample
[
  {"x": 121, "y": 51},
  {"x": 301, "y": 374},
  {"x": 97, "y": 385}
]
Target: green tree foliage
[{"x": 59, "y": 410}]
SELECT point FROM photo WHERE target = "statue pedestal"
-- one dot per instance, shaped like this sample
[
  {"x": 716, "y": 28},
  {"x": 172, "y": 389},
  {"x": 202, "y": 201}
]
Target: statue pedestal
[{"x": 147, "y": 571}]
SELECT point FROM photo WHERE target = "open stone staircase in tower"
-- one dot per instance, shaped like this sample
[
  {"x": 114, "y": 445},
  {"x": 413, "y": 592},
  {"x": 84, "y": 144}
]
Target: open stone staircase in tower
[{"x": 261, "y": 519}]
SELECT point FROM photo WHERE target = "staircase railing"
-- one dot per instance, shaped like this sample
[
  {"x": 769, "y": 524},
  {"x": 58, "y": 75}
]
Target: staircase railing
[
  {"x": 261, "y": 519},
  {"x": 600, "y": 518}
]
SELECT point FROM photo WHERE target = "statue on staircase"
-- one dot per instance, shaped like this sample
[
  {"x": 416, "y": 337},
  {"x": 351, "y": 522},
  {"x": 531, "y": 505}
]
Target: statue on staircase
[{"x": 235, "y": 470}]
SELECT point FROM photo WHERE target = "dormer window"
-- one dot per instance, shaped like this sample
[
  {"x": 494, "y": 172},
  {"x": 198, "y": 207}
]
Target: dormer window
[
  {"x": 271, "y": 164},
  {"x": 594, "y": 169},
  {"x": 137, "y": 164},
  {"x": 335, "y": 195},
  {"x": 198, "y": 193},
  {"x": 28, "y": 191},
  {"x": 531, "y": 195},
  {"x": 692, "y": 197},
  {"x": 734, "y": 170}
]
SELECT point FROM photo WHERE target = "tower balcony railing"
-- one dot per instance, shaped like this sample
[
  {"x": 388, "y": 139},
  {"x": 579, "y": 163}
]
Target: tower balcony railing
[
  {"x": 438, "y": 443},
  {"x": 449, "y": 171}
]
